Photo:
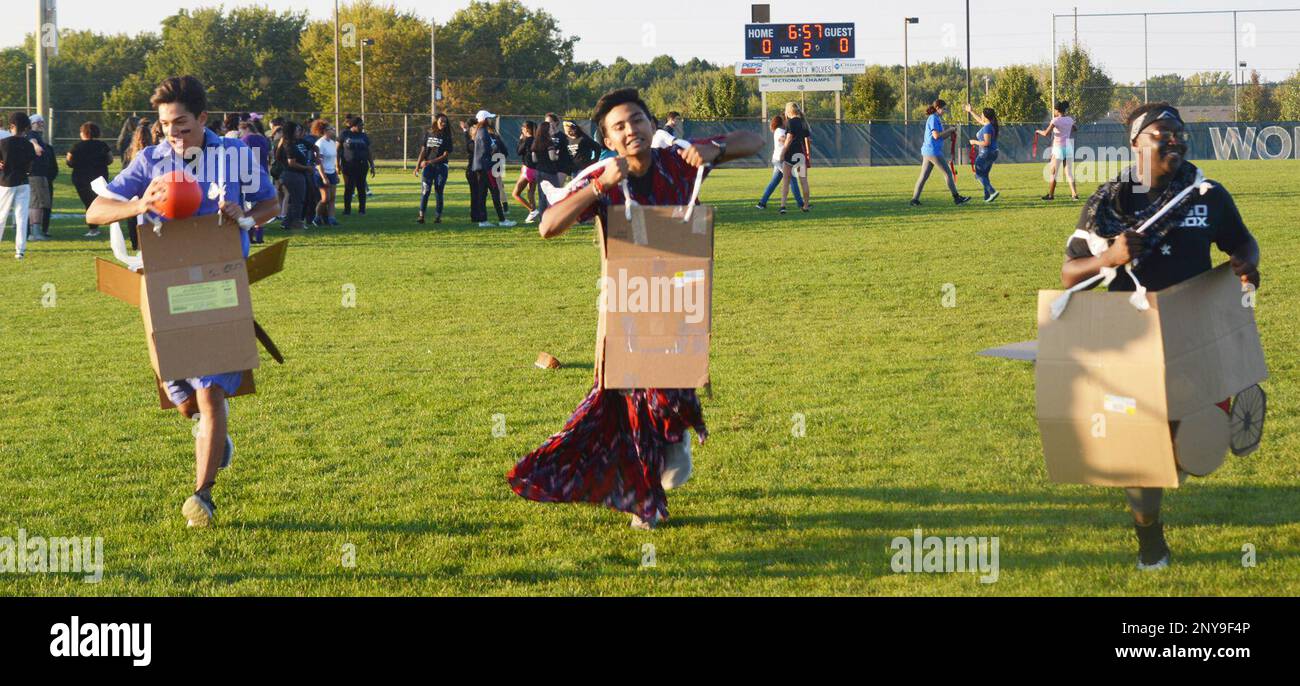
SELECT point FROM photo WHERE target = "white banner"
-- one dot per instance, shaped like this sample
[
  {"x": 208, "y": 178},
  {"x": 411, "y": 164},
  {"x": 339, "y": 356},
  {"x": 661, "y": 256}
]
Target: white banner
[
  {"x": 800, "y": 67},
  {"x": 806, "y": 84}
]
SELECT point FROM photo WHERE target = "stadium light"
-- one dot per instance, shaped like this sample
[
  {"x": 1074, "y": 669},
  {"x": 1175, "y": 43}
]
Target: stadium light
[{"x": 906, "y": 21}]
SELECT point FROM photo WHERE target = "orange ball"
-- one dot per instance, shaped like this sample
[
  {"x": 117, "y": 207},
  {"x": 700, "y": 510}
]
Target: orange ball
[{"x": 182, "y": 198}]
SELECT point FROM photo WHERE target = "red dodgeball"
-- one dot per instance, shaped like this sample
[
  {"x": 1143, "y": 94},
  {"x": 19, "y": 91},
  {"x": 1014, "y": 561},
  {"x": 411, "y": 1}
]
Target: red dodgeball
[{"x": 182, "y": 198}]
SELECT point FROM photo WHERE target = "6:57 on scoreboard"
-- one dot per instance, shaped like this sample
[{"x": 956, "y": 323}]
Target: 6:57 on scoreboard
[{"x": 800, "y": 41}]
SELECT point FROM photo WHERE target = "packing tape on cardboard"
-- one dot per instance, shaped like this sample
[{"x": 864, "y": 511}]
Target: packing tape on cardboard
[{"x": 639, "y": 234}]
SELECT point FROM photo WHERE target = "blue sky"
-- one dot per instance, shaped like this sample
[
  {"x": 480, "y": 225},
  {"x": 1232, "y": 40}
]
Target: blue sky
[{"x": 1003, "y": 32}]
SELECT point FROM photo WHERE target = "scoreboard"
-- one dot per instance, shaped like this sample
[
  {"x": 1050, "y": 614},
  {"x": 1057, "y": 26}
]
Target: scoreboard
[{"x": 800, "y": 41}]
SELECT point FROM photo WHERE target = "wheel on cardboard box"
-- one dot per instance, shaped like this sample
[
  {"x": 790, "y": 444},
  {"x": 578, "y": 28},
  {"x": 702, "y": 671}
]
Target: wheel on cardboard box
[{"x": 1249, "y": 409}]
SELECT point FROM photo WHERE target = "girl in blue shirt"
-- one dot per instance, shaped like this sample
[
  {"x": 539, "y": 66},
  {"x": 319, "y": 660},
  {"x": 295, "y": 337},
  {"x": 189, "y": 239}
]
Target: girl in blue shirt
[
  {"x": 932, "y": 153},
  {"x": 986, "y": 141}
]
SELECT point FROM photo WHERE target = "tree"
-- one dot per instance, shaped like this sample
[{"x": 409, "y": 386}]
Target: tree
[
  {"x": 248, "y": 59},
  {"x": 1257, "y": 103},
  {"x": 872, "y": 96},
  {"x": 1016, "y": 96},
  {"x": 1288, "y": 98},
  {"x": 1208, "y": 88},
  {"x": 1083, "y": 84},
  {"x": 519, "y": 55},
  {"x": 723, "y": 98},
  {"x": 13, "y": 77},
  {"x": 1167, "y": 88}
]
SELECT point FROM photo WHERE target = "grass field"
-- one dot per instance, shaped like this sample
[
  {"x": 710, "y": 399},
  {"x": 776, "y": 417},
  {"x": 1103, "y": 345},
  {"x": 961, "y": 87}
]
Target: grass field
[{"x": 379, "y": 432}]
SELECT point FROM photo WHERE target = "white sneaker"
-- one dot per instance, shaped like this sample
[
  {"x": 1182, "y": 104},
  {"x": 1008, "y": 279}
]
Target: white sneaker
[
  {"x": 93, "y": 233},
  {"x": 677, "y": 464},
  {"x": 486, "y": 225},
  {"x": 508, "y": 223},
  {"x": 643, "y": 525},
  {"x": 18, "y": 256},
  {"x": 993, "y": 197},
  {"x": 532, "y": 217}
]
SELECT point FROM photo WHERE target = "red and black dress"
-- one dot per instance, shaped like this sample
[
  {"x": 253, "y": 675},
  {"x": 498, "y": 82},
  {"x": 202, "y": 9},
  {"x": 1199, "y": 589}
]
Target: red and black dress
[{"x": 611, "y": 451}]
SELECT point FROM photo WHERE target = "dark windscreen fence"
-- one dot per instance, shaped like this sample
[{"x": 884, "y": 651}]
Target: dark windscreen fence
[{"x": 397, "y": 138}]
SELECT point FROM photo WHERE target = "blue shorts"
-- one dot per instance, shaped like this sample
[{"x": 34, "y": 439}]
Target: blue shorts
[
  {"x": 183, "y": 390},
  {"x": 332, "y": 178}
]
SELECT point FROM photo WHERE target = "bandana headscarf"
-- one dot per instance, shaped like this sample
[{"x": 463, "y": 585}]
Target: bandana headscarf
[
  {"x": 1108, "y": 219},
  {"x": 1152, "y": 117}
]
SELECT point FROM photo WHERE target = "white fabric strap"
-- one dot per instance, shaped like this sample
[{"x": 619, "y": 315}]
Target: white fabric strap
[{"x": 115, "y": 239}]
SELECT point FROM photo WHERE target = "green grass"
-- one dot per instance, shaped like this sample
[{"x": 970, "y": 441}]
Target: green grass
[{"x": 378, "y": 432}]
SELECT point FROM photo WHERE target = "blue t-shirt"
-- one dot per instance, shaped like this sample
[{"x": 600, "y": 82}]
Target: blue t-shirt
[
  {"x": 933, "y": 146},
  {"x": 993, "y": 140},
  {"x": 244, "y": 179}
]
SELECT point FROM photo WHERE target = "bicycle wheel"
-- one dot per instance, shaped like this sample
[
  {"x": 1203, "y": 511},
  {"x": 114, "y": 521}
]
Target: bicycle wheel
[{"x": 1249, "y": 409}]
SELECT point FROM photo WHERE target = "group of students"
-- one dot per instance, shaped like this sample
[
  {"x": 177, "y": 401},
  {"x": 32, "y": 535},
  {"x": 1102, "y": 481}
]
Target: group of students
[
  {"x": 28, "y": 167},
  {"x": 552, "y": 151},
  {"x": 308, "y": 161},
  {"x": 985, "y": 150},
  {"x": 625, "y": 449}
]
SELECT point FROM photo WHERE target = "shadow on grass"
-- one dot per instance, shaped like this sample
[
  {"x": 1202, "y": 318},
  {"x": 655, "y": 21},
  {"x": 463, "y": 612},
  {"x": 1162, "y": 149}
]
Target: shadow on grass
[{"x": 433, "y": 525}]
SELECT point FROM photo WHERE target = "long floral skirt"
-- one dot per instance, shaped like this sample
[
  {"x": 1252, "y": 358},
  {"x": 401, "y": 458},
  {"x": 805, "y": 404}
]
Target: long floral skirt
[{"x": 611, "y": 451}]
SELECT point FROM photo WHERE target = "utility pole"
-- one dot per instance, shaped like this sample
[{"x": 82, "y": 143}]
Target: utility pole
[
  {"x": 1146, "y": 63},
  {"x": 1053, "y": 103},
  {"x": 29, "y": 86},
  {"x": 364, "y": 43},
  {"x": 1236, "y": 79},
  {"x": 968, "y": 86},
  {"x": 906, "y": 104},
  {"x": 42, "y": 64},
  {"x": 337, "y": 111},
  {"x": 1076, "y": 28},
  {"x": 433, "y": 69}
]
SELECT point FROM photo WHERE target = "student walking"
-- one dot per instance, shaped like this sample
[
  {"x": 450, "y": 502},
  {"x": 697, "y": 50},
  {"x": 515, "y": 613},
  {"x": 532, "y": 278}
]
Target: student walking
[
  {"x": 528, "y": 172},
  {"x": 44, "y": 171},
  {"x": 778, "y": 165},
  {"x": 432, "y": 167},
  {"x": 796, "y": 155},
  {"x": 932, "y": 154},
  {"x": 89, "y": 159},
  {"x": 17, "y": 155},
  {"x": 986, "y": 142},
  {"x": 1061, "y": 130}
]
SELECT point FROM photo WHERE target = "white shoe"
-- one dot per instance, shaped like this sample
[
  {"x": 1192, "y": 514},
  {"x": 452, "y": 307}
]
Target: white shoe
[
  {"x": 36, "y": 237},
  {"x": 643, "y": 525},
  {"x": 532, "y": 217},
  {"x": 18, "y": 256},
  {"x": 677, "y": 464},
  {"x": 93, "y": 233},
  {"x": 993, "y": 197},
  {"x": 508, "y": 223},
  {"x": 486, "y": 225}
]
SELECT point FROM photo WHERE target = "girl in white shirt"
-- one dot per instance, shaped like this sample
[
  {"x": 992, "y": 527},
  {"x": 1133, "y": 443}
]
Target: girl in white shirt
[
  {"x": 778, "y": 167},
  {"x": 328, "y": 146}
]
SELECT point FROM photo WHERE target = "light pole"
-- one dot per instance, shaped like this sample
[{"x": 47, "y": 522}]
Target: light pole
[
  {"x": 364, "y": 43},
  {"x": 906, "y": 21},
  {"x": 1241, "y": 79},
  {"x": 29, "y": 86},
  {"x": 433, "y": 68},
  {"x": 337, "y": 111}
]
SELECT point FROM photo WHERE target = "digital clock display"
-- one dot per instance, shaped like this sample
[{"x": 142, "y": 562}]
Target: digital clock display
[{"x": 800, "y": 41}]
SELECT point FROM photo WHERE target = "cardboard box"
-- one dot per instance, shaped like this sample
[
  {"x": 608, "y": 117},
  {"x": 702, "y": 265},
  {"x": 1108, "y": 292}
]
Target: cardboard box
[
  {"x": 193, "y": 296},
  {"x": 656, "y": 304},
  {"x": 1127, "y": 398}
]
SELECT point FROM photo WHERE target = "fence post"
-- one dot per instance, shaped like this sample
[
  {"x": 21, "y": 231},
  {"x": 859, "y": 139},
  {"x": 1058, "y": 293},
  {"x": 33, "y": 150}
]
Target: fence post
[{"x": 406, "y": 122}]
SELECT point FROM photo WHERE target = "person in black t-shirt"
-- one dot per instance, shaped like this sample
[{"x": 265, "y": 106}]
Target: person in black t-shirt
[
  {"x": 797, "y": 154},
  {"x": 89, "y": 159},
  {"x": 432, "y": 167},
  {"x": 528, "y": 171},
  {"x": 1172, "y": 250},
  {"x": 584, "y": 150},
  {"x": 292, "y": 157},
  {"x": 357, "y": 160},
  {"x": 559, "y": 147},
  {"x": 17, "y": 155}
]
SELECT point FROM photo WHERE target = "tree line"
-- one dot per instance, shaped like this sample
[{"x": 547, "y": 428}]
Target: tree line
[{"x": 514, "y": 60}]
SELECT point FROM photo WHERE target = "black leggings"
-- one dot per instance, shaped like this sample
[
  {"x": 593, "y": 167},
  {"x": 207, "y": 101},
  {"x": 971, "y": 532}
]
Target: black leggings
[
  {"x": 86, "y": 194},
  {"x": 355, "y": 178}
]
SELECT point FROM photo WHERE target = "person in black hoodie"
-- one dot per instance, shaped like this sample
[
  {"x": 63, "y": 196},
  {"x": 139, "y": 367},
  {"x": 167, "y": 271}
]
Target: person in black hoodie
[
  {"x": 584, "y": 150},
  {"x": 357, "y": 160},
  {"x": 481, "y": 164}
]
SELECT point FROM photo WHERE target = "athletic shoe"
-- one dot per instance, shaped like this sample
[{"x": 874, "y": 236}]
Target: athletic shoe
[
  {"x": 760, "y": 206},
  {"x": 507, "y": 224},
  {"x": 782, "y": 210},
  {"x": 1153, "y": 552},
  {"x": 961, "y": 200},
  {"x": 437, "y": 219},
  {"x": 18, "y": 256},
  {"x": 361, "y": 212},
  {"x": 420, "y": 219},
  {"x": 1048, "y": 197},
  {"x": 643, "y": 525},
  {"x": 915, "y": 203},
  {"x": 993, "y": 197},
  {"x": 486, "y": 225},
  {"x": 532, "y": 217},
  {"x": 806, "y": 208},
  {"x": 38, "y": 237},
  {"x": 199, "y": 510},
  {"x": 332, "y": 221},
  {"x": 370, "y": 193}
]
